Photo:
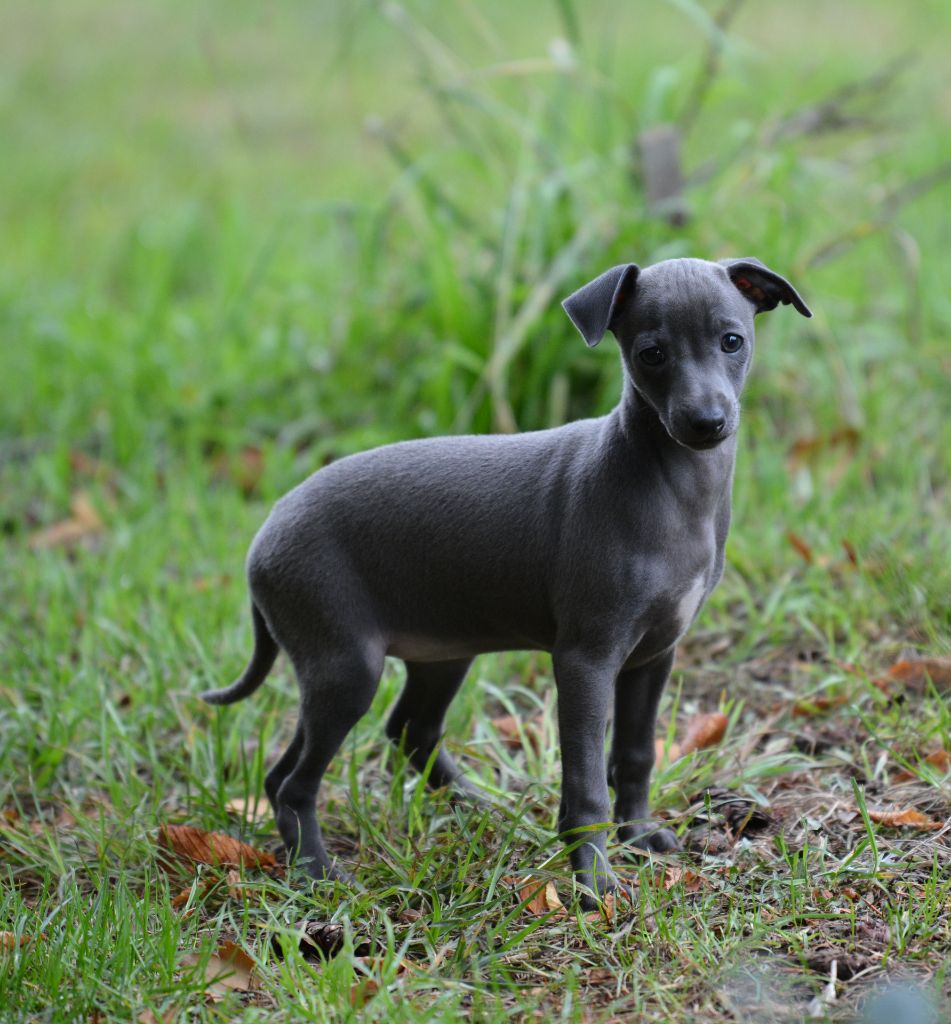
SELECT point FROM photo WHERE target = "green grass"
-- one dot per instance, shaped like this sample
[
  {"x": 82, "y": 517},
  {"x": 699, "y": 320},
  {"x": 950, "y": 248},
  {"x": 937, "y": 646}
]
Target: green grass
[{"x": 216, "y": 276}]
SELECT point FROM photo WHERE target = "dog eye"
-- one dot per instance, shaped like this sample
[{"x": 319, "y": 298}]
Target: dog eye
[
  {"x": 731, "y": 342},
  {"x": 651, "y": 356}
]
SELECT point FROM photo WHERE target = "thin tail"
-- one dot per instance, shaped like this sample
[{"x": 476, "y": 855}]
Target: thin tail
[{"x": 262, "y": 661}]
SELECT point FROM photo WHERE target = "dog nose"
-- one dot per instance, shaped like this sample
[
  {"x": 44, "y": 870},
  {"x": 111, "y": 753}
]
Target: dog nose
[{"x": 708, "y": 424}]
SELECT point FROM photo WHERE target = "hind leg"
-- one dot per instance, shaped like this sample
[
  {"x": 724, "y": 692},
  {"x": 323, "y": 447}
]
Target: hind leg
[
  {"x": 280, "y": 771},
  {"x": 417, "y": 718},
  {"x": 335, "y": 692}
]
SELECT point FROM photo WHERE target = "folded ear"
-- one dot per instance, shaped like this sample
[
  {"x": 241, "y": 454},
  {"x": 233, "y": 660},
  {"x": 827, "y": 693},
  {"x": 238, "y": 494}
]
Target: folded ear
[
  {"x": 762, "y": 286},
  {"x": 593, "y": 307}
]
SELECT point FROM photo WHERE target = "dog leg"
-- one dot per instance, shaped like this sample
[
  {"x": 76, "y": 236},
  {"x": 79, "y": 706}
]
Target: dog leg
[
  {"x": 276, "y": 776},
  {"x": 417, "y": 718},
  {"x": 637, "y": 696},
  {"x": 585, "y": 688},
  {"x": 335, "y": 693}
]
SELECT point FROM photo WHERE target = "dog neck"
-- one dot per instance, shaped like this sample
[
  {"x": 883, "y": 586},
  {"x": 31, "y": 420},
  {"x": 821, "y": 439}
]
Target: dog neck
[{"x": 698, "y": 477}]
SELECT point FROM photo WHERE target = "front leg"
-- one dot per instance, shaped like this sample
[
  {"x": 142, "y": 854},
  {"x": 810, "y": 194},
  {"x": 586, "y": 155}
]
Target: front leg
[
  {"x": 585, "y": 689},
  {"x": 637, "y": 696}
]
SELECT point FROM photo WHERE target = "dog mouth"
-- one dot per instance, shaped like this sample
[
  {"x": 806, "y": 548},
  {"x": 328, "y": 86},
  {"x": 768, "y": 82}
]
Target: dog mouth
[{"x": 703, "y": 444}]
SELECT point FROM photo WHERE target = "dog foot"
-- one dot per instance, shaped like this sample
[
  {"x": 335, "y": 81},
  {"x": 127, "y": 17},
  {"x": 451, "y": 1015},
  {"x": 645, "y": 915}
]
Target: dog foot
[
  {"x": 651, "y": 837},
  {"x": 595, "y": 890}
]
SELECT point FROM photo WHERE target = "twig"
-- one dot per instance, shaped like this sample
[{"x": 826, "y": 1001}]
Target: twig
[
  {"x": 830, "y": 114},
  {"x": 888, "y": 209},
  {"x": 711, "y": 66}
]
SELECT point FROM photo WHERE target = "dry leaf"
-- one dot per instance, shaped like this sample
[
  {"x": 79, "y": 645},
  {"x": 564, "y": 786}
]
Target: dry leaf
[
  {"x": 818, "y": 705},
  {"x": 541, "y": 901},
  {"x": 366, "y": 988},
  {"x": 801, "y": 547},
  {"x": 169, "y": 1016},
  {"x": 512, "y": 729},
  {"x": 198, "y": 846},
  {"x": 244, "y": 468},
  {"x": 805, "y": 448},
  {"x": 915, "y": 673},
  {"x": 9, "y": 941},
  {"x": 704, "y": 730},
  {"x": 228, "y": 969},
  {"x": 691, "y": 881},
  {"x": 248, "y": 807},
  {"x": 83, "y": 523},
  {"x": 904, "y": 819},
  {"x": 940, "y": 760},
  {"x": 541, "y": 898},
  {"x": 664, "y": 754}
]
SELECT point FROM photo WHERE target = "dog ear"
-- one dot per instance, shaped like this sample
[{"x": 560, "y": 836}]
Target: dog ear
[
  {"x": 762, "y": 286},
  {"x": 593, "y": 307}
]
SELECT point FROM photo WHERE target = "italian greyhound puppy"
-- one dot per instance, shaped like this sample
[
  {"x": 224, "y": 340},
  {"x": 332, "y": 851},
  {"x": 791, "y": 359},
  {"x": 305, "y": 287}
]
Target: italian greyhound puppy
[{"x": 597, "y": 541}]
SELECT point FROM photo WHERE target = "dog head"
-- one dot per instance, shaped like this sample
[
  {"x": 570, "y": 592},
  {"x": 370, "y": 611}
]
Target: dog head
[{"x": 685, "y": 328}]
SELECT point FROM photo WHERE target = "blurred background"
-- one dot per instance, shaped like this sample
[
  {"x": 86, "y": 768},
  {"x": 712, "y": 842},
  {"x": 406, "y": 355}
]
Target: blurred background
[{"x": 243, "y": 238}]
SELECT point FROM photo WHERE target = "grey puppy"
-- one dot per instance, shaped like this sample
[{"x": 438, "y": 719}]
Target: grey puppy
[{"x": 597, "y": 541}]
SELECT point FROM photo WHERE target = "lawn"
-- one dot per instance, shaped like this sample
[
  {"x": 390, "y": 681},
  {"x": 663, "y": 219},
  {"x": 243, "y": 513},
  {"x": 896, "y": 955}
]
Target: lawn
[{"x": 243, "y": 239}]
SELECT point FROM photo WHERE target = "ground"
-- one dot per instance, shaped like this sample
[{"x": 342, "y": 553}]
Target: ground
[{"x": 242, "y": 240}]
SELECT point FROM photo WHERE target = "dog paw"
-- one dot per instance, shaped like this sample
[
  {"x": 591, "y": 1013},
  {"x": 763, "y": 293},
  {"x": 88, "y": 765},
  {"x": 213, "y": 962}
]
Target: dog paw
[
  {"x": 595, "y": 892},
  {"x": 651, "y": 837}
]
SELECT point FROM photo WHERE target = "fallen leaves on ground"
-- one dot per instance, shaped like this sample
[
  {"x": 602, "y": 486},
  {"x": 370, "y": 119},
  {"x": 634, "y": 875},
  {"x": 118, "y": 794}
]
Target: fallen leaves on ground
[
  {"x": 243, "y": 468},
  {"x": 704, "y": 730},
  {"x": 914, "y": 673},
  {"x": 228, "y": 969},
  {"x": 169, "y": 1016},
  {"x": 690, "y": 880},
  {"x": 512, "y": 729},
  {"x": 908, "y": 818},
  {"x": 806, "y": 448},
  {"x": 82, "y": 524},
  {"x": 9, "y": 941},
  {"x": 810, "y": 706},
  {"x": 216, "y": 848},
  {"x": 367, "y": 987},
  {"x": 800, "y": 546},
  {"x": 939, "y": 759},
  {"x": 539, "y": 898}
]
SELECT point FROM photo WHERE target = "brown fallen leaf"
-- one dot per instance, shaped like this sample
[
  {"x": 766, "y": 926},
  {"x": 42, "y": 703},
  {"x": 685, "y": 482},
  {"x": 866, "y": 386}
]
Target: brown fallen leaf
[
  {"x": 704, "y": 730},
  {"x": 364, "y": 990},
  {"x": 512, "y": 729},
  {"x": 244, "y": 468},
  {"x": 818, "y": 705},
  {"x": 800, "y": 546},
  {"x": 542, "y": 900},
  {"x": 939, "y": 759},
  {"x": 228, "y": 969},
  {"x": 196, "y": 845},
  {"x": 676, "y": 875},
  {"x": 169, "y": 1016},
  {"x": 908, "y": 818},
  {"x": 9, "y": 941},
  {"x": 914, "y": 674},
  {"x": 82, "y": 524},
  {"x": 664, "y": 754},
  {"x": 806, "y": 448}
]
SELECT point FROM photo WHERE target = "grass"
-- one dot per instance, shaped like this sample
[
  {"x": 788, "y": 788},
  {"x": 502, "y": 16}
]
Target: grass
[{"x": 215, "y": 279}]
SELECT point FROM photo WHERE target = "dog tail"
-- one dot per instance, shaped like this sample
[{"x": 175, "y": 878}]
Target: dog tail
[{"x": 262, "y": 661}]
